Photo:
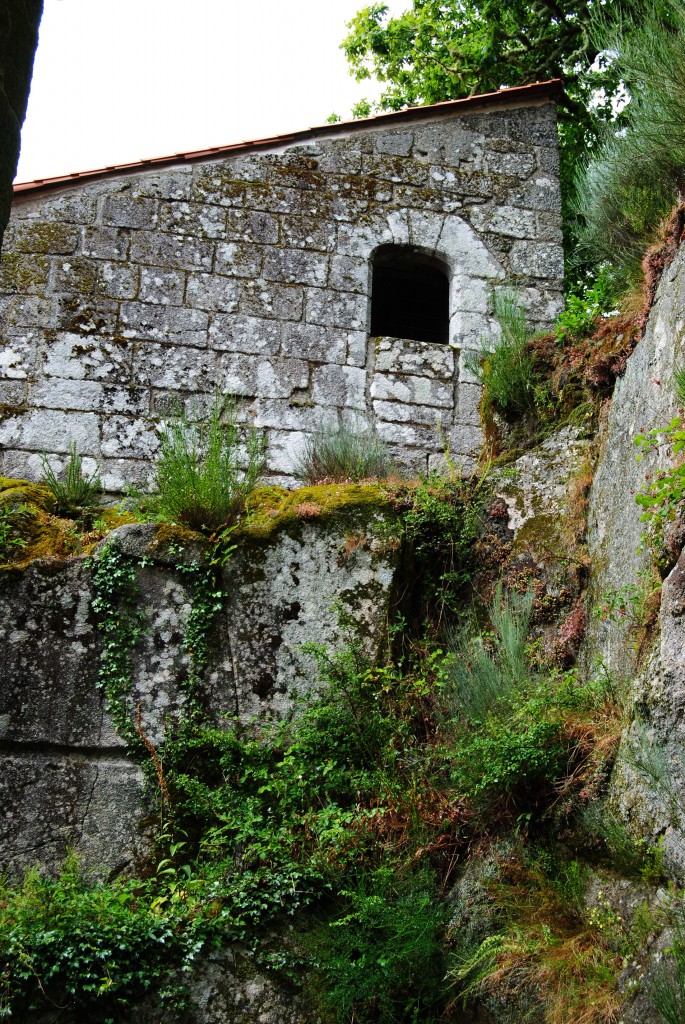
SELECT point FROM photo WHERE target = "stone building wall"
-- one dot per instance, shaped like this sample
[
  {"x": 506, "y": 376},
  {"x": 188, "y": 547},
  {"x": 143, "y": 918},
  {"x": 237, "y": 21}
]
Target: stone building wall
[{"x": 250, "y": 273}]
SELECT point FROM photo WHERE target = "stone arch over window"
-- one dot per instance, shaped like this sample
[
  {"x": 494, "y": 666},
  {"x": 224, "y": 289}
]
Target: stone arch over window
[{"x": 410, "y": 295}]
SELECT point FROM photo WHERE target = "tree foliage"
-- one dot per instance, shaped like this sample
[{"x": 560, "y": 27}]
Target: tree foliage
[{"x": 450, "y": 49}]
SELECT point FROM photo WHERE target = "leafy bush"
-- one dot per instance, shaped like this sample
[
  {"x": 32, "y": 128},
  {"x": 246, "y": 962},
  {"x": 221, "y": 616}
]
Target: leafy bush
[
  {"x": 92, "y": 950},
  {"x": 584, "y": 308},
  {"x": 206, "y": 468},
  {"x": 343, "y": 452},
  {"x": 78, "y": 492},
  {"x": 505, "y": 364},
  {"x": 633, "y": 179},
  {"x": 383, "y": 961}
]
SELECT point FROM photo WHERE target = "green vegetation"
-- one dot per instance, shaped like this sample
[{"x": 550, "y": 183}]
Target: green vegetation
[
  {"x": 635, "y": 177},
  {"x": 206, "y": 468},
  {"x": 78, "y": 493},
  {"x": 548, "y": 957},
  {"x": 346, "y": 822},
  {"x": 517, "y": 728},
  {"x": 584, "y": 308},
  {"x": 664, "y": 490},
  {"x": 505, "y": 364},
  {"x": 441, "y": 520},
  {"x": 12, "y": 522},
  {"x": 343, "y": 452},
  {"x": 441, "y": 50},
  {"x": 667, "y": 988},
  {"x": 120, "y": 626},
  {"x": 92, "y": 949}
]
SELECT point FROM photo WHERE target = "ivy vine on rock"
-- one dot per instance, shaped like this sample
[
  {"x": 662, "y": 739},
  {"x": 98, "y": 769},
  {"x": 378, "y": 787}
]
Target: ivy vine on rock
[{"x": 121, "y": 624}]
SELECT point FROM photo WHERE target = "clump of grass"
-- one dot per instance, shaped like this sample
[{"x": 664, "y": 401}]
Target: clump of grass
[
  {"x": 521, "y": 733},
  {"x": 343, "y": 452},
  {"x": 206, "y": 468},
  {"x": 77, "y": 492},
  {"x": 482, "y": 680},
  {"x": 505, "y": 364},
  {"x": 679, "y": 383},
  {"x": 667, "y": 988},
  {"x": 636, "y": 175},
  {"x": 549, "y": 957}
]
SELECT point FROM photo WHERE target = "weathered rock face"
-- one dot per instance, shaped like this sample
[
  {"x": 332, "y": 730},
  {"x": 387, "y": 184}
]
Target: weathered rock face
[
  {"x": 252, "y": 275},
  {"x": 66, "y": 779},
  {"x": 19, "y": 20},
  {"x": 644, "y": 399},
  {"x": 649, "y": 777}
]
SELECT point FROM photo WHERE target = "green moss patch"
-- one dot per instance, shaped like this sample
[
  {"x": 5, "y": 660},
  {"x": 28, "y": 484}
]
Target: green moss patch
[
  {"x": 270, "y": 509},
  {"x": 29, "y": 529}
]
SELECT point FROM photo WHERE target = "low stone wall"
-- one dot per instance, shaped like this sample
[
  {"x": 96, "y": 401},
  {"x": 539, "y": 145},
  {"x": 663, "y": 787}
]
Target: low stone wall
[
  {"x": 66, "y": 778},
  {"x": 251, "y": 275}
]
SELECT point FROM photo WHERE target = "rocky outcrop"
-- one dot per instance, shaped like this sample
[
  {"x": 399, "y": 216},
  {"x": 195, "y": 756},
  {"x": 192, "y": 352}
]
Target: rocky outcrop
[
  {"x": 67, "y": 780},
  {"x": 644, "y": 399}
]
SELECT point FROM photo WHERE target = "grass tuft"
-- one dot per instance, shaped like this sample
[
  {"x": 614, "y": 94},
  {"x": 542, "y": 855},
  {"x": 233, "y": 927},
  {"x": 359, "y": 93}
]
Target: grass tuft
[
  {"x": 505, "y": 364},
  {"x": 341, "y": 453},
  {"x": 77, "y": 492},
  {"x": 207, "y": 468}
]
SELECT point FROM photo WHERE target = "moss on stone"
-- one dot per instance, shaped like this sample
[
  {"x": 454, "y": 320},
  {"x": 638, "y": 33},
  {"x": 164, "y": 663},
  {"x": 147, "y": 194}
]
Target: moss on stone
[
  {"x": 22, "y": 273},
  {"x": 270, "y": 509},
  {"x": 13, "y": 491},
  {"x": 46, "y": 535},
  {"x": 47, "y": 237}
]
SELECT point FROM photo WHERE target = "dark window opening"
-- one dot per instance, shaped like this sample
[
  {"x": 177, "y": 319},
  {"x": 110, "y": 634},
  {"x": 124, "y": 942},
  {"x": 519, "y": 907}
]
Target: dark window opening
[{"x": 409, "y": 297}]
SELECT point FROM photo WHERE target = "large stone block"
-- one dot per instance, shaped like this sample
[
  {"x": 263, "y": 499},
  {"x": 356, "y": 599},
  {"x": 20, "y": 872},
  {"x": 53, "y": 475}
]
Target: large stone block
[
  {"x": 414, "y": 390},
  {"x": 178, "y": 325},
  {"x": 414, "y": 357}
]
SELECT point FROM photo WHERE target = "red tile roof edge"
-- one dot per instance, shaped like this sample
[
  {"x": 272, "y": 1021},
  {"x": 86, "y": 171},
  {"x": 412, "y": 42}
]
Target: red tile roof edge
[{"x": 522, "y": 93}]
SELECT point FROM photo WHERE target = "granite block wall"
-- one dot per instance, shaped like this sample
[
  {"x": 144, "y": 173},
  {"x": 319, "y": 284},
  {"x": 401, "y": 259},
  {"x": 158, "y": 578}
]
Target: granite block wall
[
  {"x": 251, "y": 274},
  {"x": 66, "y": 778}
]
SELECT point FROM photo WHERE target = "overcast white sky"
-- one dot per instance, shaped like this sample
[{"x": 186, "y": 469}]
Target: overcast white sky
[{"x": 120, "y": 80}]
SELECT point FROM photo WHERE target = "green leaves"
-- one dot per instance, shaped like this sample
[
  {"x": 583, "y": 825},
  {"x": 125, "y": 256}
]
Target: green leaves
[{"x": 664, "y": 490}]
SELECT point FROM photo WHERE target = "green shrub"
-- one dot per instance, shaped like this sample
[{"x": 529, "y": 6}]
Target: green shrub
[
  {"x": 206, "y": 468},
  {"x": 505, "y": 364},
  {"x": 342, "y": 452},
  {"x": 634, "y": 178},
  {"x": 78, "y": 492},
  {"x": 582, "y": 310},
  {"x": 382, "y": 957},
  {"x": 93, "y": 950}
]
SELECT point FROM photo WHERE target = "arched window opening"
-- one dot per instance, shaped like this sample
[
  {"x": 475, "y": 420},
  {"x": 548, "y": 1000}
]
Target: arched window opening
[{"x": 409, "y": 296}]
